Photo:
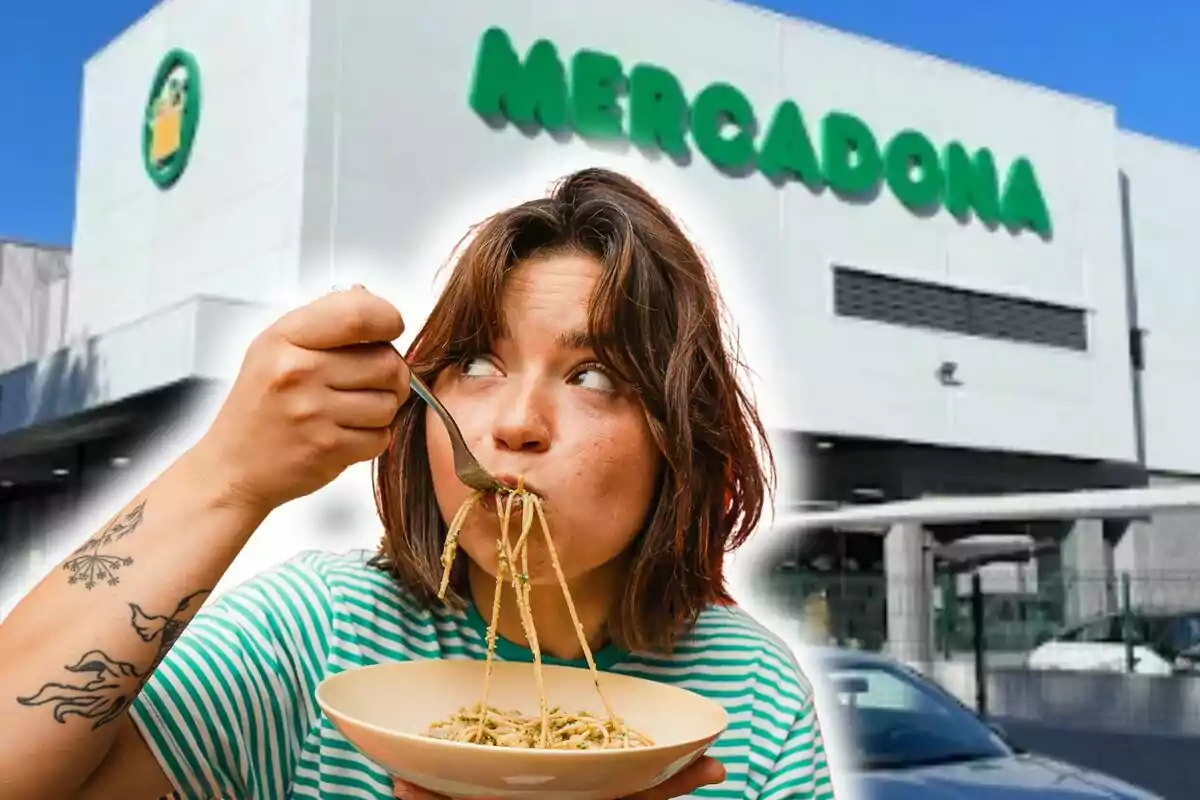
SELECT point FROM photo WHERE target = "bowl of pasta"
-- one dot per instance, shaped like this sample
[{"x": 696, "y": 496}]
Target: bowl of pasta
[
  {"x": 491, "y": 728},
  {"x": 421, "y": 722}
]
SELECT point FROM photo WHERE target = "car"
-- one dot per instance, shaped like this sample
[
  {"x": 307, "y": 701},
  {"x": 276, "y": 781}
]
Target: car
[
  {"x": 896, "y": 735},
  {"x": 1162, "y": 643}
]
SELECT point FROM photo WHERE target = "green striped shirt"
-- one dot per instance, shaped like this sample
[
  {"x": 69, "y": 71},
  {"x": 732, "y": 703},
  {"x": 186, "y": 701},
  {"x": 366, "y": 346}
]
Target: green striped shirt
[{"x": 231, "y": 711}]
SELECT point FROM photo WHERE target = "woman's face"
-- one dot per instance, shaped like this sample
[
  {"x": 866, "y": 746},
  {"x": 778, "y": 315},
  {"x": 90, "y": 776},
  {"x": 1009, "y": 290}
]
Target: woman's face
[{"x": 540, "y": 406}]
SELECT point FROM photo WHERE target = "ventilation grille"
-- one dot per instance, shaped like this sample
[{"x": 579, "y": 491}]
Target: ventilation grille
[{"x": 915, "y": 304}]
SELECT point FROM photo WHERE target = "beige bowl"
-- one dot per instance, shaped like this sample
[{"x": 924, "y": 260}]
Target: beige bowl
[{"x": 383, "y": 710}]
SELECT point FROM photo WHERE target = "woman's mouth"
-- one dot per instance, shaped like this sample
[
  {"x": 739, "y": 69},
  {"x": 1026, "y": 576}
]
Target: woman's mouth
[
  {"x": 517, "y": 483},
  {"x": 516, "y": 486}
]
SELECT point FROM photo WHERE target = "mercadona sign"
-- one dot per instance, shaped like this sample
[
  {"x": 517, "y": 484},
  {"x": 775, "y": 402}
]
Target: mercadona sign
[{"x": 598, "y": 99}]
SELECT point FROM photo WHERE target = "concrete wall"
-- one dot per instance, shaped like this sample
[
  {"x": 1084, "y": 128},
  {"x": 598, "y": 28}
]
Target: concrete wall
[
  {"x": 1087, "y": 700},
  {"x": 199, "y": 338},
  {"x": 1165, "y": 239},
  {"x": 230, "y": 225},
  {"x": 1088, "y": 566},
  {"x": 33, "y": 302},
  {"x": 1161, "y": 556},
  {"x": 404, "y": 165}
]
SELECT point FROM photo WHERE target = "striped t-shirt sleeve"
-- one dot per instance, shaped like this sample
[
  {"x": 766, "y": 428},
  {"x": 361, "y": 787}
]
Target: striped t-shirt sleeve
[
  {"x": 226, "y": 712},
  {"x": 801, "y": 772}
]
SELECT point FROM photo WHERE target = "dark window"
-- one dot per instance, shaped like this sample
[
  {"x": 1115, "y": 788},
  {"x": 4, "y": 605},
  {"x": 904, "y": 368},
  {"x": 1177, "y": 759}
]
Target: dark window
[
  {"x": 917, "y": 304},
  {"x": 1137, "y": 349}
]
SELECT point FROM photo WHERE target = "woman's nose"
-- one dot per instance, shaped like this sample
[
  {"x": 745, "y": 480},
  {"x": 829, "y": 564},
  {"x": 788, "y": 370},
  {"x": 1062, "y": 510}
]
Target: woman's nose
[{"x": 521, "y": 421}]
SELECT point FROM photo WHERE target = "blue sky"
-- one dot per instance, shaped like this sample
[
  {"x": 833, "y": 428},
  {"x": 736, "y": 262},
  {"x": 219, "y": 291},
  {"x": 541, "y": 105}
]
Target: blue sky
[{"x": 1142, "y": 57}]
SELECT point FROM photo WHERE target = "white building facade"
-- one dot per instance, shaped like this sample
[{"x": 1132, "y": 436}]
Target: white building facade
[{"x": 944, "y": 281}]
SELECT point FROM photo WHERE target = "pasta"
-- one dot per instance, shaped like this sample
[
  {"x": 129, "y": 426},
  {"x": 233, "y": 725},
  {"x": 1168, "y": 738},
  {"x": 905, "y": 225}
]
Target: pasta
[{"x": 551, "y": 728}]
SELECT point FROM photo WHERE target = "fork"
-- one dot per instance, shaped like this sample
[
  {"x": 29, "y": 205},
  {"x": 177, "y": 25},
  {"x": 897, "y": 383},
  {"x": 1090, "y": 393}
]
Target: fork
[{"x": 466, "y": 466}]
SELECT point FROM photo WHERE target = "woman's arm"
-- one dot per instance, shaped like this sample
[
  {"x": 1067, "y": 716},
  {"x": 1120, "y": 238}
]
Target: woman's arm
[
  {"x": 91, "y": 633},
  {"x": 309, "y": 401}
]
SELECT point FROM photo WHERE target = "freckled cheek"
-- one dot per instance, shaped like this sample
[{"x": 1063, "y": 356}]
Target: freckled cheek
[
  {"x": 437, "y": 443},
  {"x": 620, "y": 469},
  {"x": 474, "y": 415}
]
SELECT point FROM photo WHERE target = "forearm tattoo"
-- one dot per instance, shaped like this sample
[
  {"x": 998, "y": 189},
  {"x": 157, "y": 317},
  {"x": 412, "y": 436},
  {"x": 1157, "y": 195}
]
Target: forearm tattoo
[
  {"x": 114, "y": 684},
  {"x": 92, "y": 563}
]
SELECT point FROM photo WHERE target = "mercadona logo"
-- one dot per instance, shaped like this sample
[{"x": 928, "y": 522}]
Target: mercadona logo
[{"x": 172, "y": 117}]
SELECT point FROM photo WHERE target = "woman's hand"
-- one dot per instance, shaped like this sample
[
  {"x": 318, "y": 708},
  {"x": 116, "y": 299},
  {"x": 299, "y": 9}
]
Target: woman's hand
[
  {"x": 317, "y": 392},
  {"x": 704, "y": 772}
]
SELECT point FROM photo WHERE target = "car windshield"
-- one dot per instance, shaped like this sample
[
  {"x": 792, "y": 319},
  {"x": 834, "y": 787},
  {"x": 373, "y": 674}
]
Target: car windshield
[
  {"x": 894, "y": 719},
  {"x": 1174, "y": 635},
  {"x": 1187, "y": 635}
]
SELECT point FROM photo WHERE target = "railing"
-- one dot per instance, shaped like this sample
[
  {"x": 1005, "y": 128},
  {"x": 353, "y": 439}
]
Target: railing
[{"x": 1018, "y": 613}]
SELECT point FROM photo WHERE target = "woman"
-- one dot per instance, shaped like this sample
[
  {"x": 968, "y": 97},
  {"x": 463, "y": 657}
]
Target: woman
[{"x": 578, "y": 345}]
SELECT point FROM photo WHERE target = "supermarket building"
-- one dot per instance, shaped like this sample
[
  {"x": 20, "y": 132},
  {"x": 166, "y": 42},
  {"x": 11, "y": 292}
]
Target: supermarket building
[{"x": 946, "y": 282}]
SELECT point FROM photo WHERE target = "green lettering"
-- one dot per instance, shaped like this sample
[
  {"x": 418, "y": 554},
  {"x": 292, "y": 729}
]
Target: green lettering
[
  {"x": 537, "y": 91},
  {"x": 971, "y": 184},
  {"x": 787, "y": 149},
  {"x": 1022, "y": 204},
  {"x": 850, "y": 155},
  {"x": 658, "y": 110},
  {"x": 913, "y": 172},
  {"x": 716, "y": 106},
  {"x": 529, "y": 93},
  {"x": 596, "y": 78}
]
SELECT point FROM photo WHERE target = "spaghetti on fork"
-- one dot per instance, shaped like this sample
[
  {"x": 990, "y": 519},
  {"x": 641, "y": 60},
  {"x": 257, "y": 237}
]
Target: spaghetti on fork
[{"x": 552, "y": 727}]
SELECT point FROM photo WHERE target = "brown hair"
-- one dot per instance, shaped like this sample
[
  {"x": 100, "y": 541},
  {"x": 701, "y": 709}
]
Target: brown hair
[{"x": 655, "y": 320}]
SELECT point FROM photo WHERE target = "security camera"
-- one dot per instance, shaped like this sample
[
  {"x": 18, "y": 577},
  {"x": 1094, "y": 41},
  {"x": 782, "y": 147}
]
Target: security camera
[{"x": 947, "y": 374}]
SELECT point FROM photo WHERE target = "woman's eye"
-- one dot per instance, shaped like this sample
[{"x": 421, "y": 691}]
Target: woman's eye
[
  {"x": 479, "y": 367},
  {"x": 595, "y": 378}
]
